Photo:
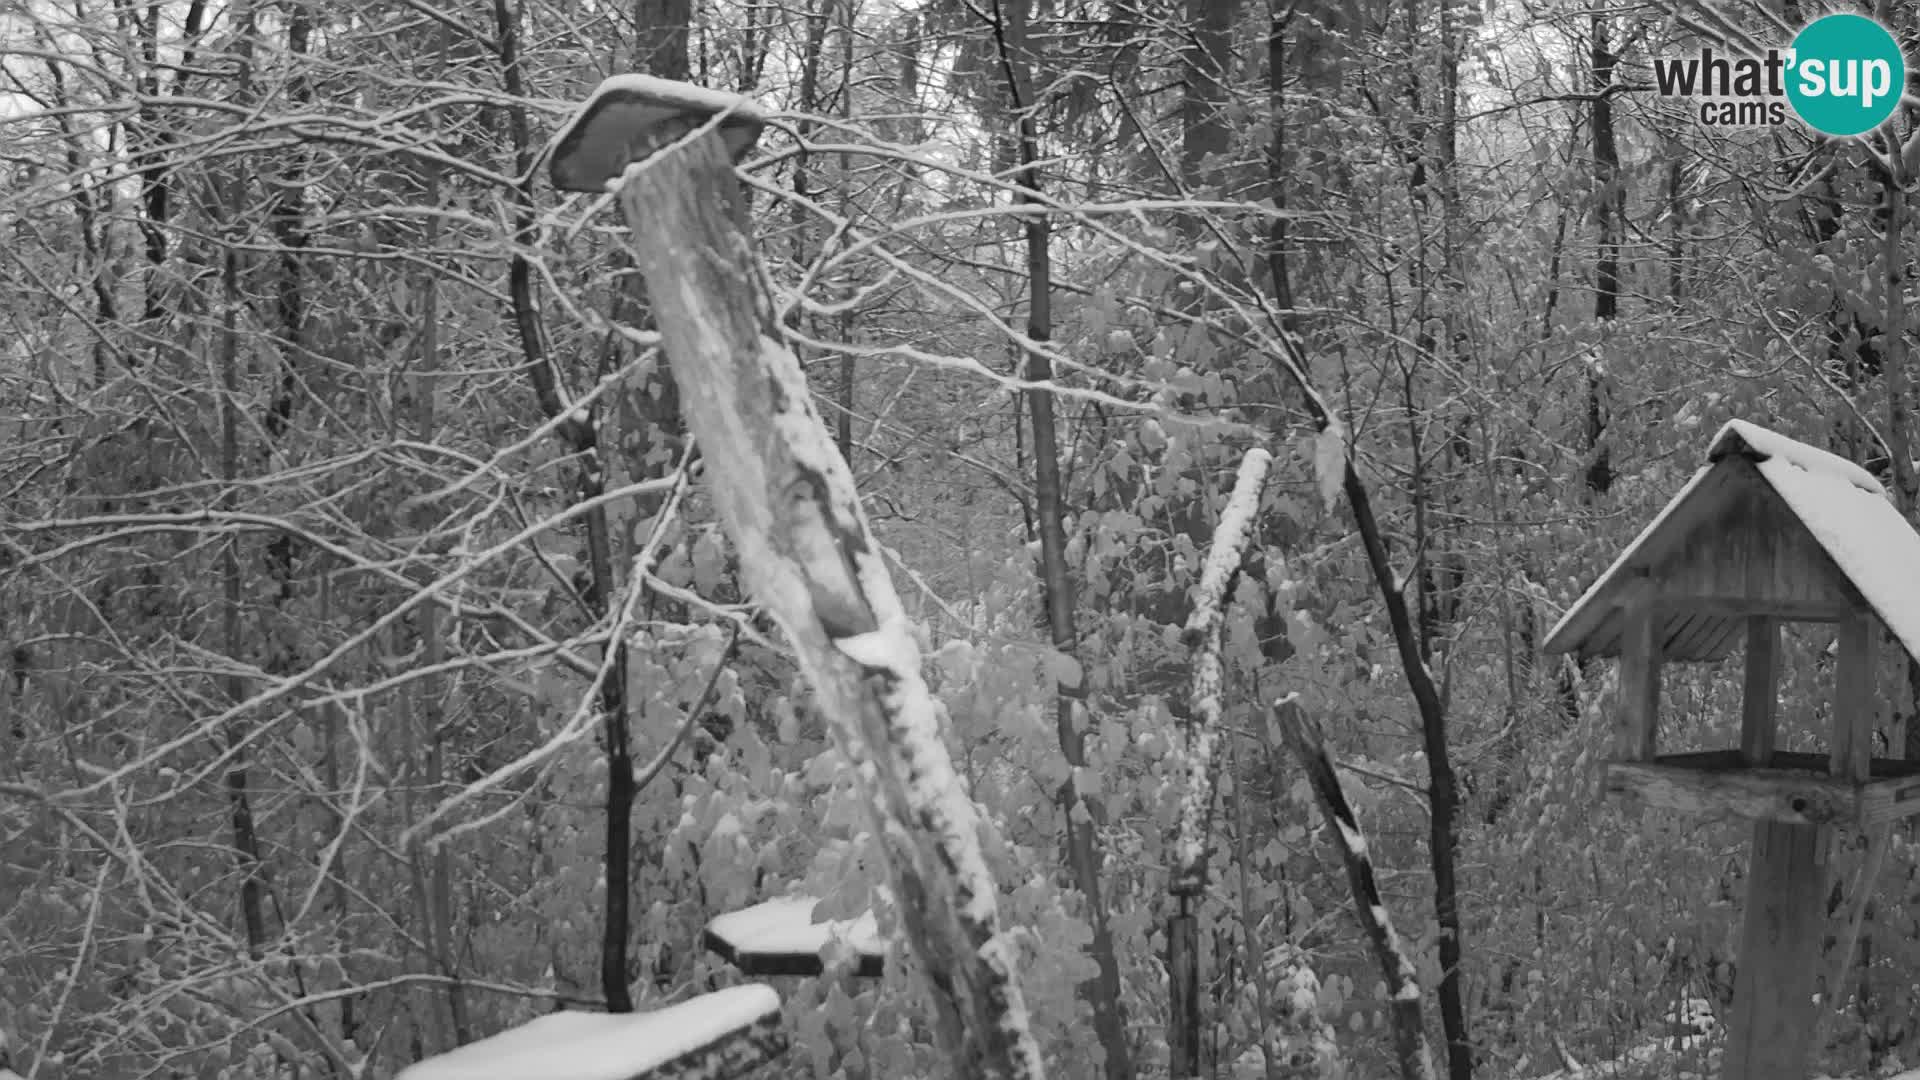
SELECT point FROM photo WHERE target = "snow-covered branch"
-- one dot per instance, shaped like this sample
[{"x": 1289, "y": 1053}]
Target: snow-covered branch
[{"x": 1204, "y": 636}]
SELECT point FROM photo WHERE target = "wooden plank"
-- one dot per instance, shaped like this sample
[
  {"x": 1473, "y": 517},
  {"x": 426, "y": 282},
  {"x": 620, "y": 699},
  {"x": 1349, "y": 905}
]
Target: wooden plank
[
  {"x": 1728, "y": 634},
  {"x": 1788, "y": 763},
  {"x": 1740, "y": 607},
  {"x": 1636, "y": 725},
  {"x": 1691, "y": 636},
  {"x": 1590, "y": 627},
  {"x": 1853, "y": 699},
  {"x": 1760, "y": 795},
  {"x": 1772, "y": 1023},
  {"x": 1886, "y": 802},
  {"x": 1881, "y": 769},
  {"x": 1760, "y": 694},
  {"x": 1753, "y": 548}
]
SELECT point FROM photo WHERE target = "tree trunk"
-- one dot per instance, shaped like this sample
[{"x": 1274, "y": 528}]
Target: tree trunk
[
  {"x": 788, "y": 503},
  {"x": 580, "y": 432},
  {"x": 1082, "y": 813},
  {"x": 1303, "y": 737}
]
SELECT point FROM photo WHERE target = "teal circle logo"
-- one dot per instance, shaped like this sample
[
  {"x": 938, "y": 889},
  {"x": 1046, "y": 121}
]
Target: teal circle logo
[{"x": 1848, "y": 74}]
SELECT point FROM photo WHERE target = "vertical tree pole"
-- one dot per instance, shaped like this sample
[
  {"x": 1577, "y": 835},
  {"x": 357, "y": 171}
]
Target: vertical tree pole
[{"x": 786, "y": 499}]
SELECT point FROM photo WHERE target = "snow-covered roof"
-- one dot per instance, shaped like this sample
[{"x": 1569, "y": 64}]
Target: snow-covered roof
[
  {"x": 779, "y": 937},
  {"x": 604, "y": 1046},
  {"x": 1856, "y": 533}
]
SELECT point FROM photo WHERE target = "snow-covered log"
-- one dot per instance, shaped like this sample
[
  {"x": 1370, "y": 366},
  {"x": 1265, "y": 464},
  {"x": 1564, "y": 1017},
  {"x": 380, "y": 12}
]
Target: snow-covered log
[
  {"x": 1308, "y": 745},
  {"x": 718, "y": 1036},
  {"x": 787, "y": 501}
]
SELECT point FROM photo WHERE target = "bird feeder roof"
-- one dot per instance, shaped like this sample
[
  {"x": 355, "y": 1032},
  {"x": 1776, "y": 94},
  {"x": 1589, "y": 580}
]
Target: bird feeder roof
[{"x": 1769, "y": 526}]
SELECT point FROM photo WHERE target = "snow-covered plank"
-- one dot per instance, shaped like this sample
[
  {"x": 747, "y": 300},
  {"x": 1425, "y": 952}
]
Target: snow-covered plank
[
  {"x": 712, "y": 1037},
  {"x": 780, "y": 937}
]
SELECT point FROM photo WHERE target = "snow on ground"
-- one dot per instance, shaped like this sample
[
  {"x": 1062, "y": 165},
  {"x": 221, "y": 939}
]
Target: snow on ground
[{"x": 602, "y": 1046}]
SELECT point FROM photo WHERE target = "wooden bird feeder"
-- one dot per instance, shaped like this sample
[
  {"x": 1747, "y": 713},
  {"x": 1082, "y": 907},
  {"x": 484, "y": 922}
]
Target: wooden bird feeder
[{"x": 1769, "y": 531}]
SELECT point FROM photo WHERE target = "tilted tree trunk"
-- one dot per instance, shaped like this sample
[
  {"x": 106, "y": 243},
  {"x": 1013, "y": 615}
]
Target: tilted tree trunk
[
  {"x": 1303, "y": 737},
  {"x": 787, "y": 501}
]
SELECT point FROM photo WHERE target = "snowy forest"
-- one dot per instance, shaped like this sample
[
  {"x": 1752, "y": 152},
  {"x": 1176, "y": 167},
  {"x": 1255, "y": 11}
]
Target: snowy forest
[{"x": 1237, "y": 394}]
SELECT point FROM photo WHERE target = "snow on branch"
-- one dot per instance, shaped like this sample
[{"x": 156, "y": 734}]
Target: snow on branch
[
  {"x": 1204, "y": 636},
  {"x": 787, "y": 501}
]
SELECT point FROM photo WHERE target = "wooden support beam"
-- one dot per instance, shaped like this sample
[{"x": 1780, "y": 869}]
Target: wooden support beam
[
  {"x": 1772, "y": 1024},
  {"x": 1814, "y": 611},
  {"x": 1636, "y": 724},
  {"x": 1759, "y": 695},
  {"x": 1853, "y": 679},
  {"x": 1695, "y": 791}
]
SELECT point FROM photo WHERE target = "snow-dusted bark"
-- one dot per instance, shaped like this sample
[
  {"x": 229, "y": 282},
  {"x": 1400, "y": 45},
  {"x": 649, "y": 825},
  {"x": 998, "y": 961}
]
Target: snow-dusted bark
[
  {"x": 787, "y": 501},
  {"x": 1303, "y": 737},
  {"x": 1203, "y": 635}
]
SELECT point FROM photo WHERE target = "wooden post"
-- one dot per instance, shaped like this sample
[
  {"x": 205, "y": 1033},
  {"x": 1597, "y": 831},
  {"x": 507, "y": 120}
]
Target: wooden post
[
  {"x": 1773, "y": 1023},
  {"x": 1767, "y": 1038},
  {"x": 1636, "y": 725},
  {"x": 1853, "y": 685},
  {"x": 1854, "y": 696},
  {"x": 1757, "y": 702}
]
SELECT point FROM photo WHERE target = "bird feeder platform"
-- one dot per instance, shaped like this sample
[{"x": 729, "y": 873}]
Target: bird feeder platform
[{"x": 1798, "y": 789}]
